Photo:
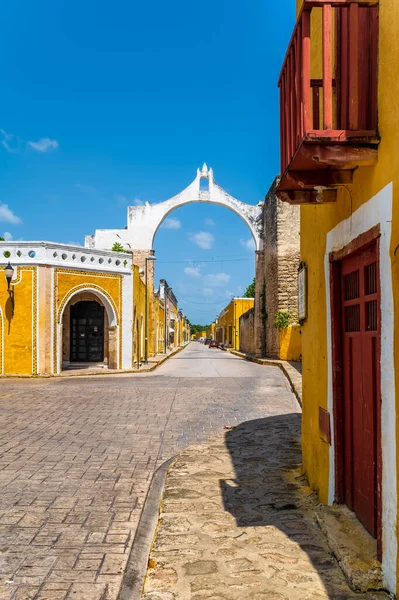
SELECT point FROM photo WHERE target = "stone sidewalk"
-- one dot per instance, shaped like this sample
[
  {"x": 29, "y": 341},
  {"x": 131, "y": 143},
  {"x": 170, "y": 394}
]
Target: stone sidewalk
[{"x": 237, "y": 522}]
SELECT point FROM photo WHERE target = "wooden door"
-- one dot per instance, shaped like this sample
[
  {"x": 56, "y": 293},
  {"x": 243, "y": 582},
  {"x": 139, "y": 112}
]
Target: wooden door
[
  {"x": 360, "y": 310},
  {"x": 87, "y": 332}
]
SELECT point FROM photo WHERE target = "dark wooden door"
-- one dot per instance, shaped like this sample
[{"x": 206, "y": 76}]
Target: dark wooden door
[
  {"x": 87, "y": 332},
  {"x": 360, "y": 309}
]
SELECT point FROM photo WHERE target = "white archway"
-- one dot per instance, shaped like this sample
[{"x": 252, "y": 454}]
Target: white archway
[{"x": 144, "y": 221}]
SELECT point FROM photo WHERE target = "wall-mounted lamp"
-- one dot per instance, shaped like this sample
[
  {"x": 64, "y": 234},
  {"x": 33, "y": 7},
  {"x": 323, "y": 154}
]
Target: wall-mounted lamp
[{"x": 9, "y": 273}]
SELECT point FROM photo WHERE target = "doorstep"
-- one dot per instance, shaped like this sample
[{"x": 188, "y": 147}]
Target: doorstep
[{"x": 354, "y": 548}]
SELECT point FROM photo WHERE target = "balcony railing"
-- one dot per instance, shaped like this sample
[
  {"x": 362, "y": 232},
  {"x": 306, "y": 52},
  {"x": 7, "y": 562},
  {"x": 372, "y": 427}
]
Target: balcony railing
[{"x": 328, "y": 93}]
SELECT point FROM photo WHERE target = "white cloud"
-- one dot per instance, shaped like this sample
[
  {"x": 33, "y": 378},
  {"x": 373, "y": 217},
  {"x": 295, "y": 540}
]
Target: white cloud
[
  {"x": 171, "y": 223},
  {"x": 7, "y": 236},
  {"x": 203, "y": 239},
  {"x": 44, "y": 145},
  {"x": 123, "y": 200},
  {"x": 8, "y": 216},
  {"x": 209, "y": 222},
  {"x": 6, "y": 141},
  {"x": 217, "y": 279},
  {"x": 208, "y": 292},
  {"x": 85, "y": 188},
  {"x": 193, "y": 271},
  {"x": 248, "y": 244}
]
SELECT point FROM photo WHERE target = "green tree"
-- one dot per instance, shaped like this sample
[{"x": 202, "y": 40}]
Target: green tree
[
  {"x": 2, "y": 239},
  {"x": 117, "y": 247},
  {"x": 250, "y": 291},
  {"x": 198, "y": 328}
]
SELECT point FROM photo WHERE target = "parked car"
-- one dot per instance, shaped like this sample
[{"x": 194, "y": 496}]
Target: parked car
[
  {"x": 213, "y": 344},
  {"x": 207, "y": 341}
]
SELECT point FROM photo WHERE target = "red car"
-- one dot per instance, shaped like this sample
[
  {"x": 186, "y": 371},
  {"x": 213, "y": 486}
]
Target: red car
[{"x": 213, "y": 344}]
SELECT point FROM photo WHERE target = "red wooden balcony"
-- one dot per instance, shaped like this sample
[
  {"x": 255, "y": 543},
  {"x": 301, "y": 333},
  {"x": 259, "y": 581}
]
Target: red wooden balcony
[{"x": 328, "y": 99}]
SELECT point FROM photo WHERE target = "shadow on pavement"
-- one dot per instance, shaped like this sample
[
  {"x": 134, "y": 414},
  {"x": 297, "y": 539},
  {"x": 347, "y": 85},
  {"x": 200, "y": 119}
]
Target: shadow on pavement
[{"x": 269, "y": 494}]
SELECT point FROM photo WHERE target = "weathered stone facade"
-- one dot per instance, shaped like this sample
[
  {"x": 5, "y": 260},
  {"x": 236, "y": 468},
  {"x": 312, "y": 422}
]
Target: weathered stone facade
[
  {"x": 276, "y": 271},
  {"x": 247, "y": 329}
]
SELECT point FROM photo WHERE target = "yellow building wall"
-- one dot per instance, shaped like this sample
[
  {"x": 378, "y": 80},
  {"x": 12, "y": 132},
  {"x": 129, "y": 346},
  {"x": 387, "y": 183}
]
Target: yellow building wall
[
  {"x": 211, "y": 332},
  {"x": 317, "y": 221},
  {"x": 18, "y": 347},
  {"x": 138, "y": 315},
  {"x": 158, "y": 327},
  {"x": 230, "y": 317},
  {"x": 290, "y": 343},
  {"x": 68, "y": 282}
]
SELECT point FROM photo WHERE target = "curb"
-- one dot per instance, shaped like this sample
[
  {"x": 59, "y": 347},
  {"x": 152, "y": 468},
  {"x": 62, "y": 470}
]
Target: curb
[
  {"x": 97, "y": 373},
  {"x": 289, "y": 371},
  {"x": 136, "y": 568}
]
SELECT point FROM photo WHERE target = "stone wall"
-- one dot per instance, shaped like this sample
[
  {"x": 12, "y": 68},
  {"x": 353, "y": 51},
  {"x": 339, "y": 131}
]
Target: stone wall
[
  {"x": 276, "y": 271},
  {"x": 247, "y": 332}
]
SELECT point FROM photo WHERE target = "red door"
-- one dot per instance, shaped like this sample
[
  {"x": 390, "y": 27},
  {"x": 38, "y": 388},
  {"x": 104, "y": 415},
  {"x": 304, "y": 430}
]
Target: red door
[{"x": 360, "y": 304}]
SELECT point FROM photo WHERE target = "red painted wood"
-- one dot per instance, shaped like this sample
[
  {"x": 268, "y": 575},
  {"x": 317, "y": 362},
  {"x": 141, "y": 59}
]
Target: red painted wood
[
  {"x": 299, "y": 77},
  {"x": 294, "y": 97},
  {"x": 316, "y": 106},
  {"x": 360, "y": 335},
  {"x": 298, "y": 91},
  {"x": 306, "y": 97},
  {"x": 291, "y": 102},
  {"x": 349, "y": 113},
  {"x": 373, "y": 63},
  {"x": 282, "y": 132},
  {"x": 354, "y": 66},
  {"x": 327, "y": 67}
]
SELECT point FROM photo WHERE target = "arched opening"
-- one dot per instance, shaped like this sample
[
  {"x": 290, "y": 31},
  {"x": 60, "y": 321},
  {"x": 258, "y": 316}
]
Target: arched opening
[
  {"x": 204, "y": 184},
  {"x": 88, "y": 332},
  {"x": 206, "y": 253}
]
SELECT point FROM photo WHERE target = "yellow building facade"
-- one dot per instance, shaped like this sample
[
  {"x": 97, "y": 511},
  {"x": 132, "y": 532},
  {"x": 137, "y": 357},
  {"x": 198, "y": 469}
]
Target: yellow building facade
[
  {"x": 350, "y": 260},
  {"x": 69, "y": 306},
  {"x": 228, "y": 323},
  {"x": 211, "y": 331}
]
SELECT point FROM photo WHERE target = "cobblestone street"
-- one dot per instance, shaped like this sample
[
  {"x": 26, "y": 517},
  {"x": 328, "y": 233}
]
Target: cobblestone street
[
  {"x": 77, "y": 456},
  {"x": 238, "y": 522}
]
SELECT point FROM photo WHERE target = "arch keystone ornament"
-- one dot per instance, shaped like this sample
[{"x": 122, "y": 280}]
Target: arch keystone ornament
[{"x": 145, "y": 220}]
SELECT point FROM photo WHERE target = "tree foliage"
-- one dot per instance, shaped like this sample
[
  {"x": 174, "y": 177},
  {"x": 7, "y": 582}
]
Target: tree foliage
[
  {"x": 282, "y": 319},
  {"x": 198, "y": 328},
  {"x": 117, "y": 247},
  {"x": 250, "y": 291}
]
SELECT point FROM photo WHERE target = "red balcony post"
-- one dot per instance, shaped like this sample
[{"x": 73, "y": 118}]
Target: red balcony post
[
  {"x": 353, "y": 67},
  {"x": 298, "y": 83},
  {"x": 327, "y": 67},
  {"x": 306, "y": 97}
]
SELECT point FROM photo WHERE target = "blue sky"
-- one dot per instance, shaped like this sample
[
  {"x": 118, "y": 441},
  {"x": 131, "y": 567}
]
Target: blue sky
[{"x": 106, "y": 104}]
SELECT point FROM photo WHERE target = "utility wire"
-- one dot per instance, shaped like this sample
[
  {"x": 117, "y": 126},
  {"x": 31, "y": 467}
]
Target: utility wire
[
  {"x": 213, "y": 260},
  {"x": 203, "y": 303}
]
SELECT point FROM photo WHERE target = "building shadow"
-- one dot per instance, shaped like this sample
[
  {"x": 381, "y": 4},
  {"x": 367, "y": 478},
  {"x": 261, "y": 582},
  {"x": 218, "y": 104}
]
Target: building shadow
[{"x": 269, "y": 492}]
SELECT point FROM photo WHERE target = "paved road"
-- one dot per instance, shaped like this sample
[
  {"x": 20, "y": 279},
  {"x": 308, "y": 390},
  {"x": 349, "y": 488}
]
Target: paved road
[{"x": 77, "y": 456}]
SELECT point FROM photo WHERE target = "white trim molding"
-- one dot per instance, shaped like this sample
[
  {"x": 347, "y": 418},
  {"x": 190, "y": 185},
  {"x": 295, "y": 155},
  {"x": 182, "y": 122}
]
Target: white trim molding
[{"x": 377, "y": 211}]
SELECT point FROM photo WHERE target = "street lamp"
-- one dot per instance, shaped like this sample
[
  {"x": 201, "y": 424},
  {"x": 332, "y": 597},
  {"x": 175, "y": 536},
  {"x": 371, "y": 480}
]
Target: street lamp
[
  {"x": 146, "y": 309},
  {"x": 9, "y": 272}
]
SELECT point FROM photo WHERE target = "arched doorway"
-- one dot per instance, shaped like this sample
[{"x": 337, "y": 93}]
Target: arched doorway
[
  {"x": 88, "y": 332},
  {"x": 87, "y": 328}
]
